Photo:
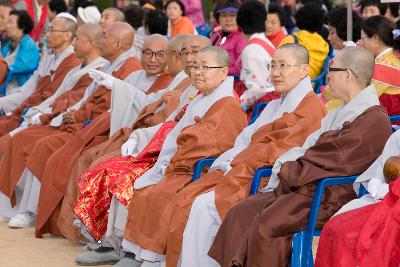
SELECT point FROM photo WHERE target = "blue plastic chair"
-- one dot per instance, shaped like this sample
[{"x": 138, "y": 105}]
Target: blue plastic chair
[
  {"x": 321, "y": 79},
  {"x": 10, "y": 76},
  {"x": 258, "y": 108},
  {"x": 395, "y": 118}
]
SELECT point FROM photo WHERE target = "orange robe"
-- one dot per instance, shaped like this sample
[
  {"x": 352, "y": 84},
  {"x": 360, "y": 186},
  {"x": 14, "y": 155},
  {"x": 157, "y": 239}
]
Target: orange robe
[
  {"x": 149, "y": 116},
  {"x": 58, "y": 168},
  {"x": 12, "y": 148},
  {"x": 183, "y": 25},
  {"x": 151, "y": 207},
  {"x": 267, "y": 144},
  {"x": 46, "y": 87},
  {"x": 41, "y": 141}
]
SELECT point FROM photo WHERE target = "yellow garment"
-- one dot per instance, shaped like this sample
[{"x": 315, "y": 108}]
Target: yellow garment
[
  {"x": 390, "y": 59},
  {"x": 317, "y": 47}
]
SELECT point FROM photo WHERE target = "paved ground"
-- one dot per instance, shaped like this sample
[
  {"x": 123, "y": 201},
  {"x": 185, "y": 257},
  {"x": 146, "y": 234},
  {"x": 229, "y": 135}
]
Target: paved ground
[{"x": 18, "y": 248}]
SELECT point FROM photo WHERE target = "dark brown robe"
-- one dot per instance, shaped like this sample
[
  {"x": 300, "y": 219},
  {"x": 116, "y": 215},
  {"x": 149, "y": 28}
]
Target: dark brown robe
[
  {"x": 46, "y": 87},
  {"x": 267, "y": 144},
  {"x": 151, "y": 207},
  {"x": 58, "y": 169},
  {"x": 259, "y": 229},
  {"x": 149, "y": 116}
]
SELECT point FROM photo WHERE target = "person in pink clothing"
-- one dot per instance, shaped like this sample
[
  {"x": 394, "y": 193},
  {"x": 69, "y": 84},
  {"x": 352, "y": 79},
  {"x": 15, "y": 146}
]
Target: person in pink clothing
[
  {"x": 194, "y": 11},
  {"x": 229, "y": 36}
]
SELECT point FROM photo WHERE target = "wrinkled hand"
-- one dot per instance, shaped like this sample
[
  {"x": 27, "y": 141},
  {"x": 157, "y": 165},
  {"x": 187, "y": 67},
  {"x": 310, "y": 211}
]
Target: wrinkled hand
[
  {"x": 68, "y": 118},
  {"x": 391, "y": 169},
  {"x": 36, "y": 119},
  {"x": 377, "y": 188},
  {"x": 128, "y": 148},
  {"x": 102, "y": 78}
]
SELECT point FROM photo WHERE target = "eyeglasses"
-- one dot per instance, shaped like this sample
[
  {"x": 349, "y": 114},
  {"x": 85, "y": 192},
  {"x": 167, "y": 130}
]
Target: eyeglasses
[
  {"x": 186, "y": 53},
  {"x": 54, "y": 30},
  {"x": 160, "y": 55},
  {"x": 343, "y": 69},
  {"x": 282, "y": 66},
  {"x": 204, "y": 68}
]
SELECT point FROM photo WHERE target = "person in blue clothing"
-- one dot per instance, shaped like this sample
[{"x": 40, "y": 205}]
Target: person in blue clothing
[{"x": 21, "y": 53}]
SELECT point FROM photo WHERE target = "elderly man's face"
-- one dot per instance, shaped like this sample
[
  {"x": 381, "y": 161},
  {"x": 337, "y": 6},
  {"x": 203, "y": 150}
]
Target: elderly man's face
[
  {"x": 174, "y": 62},
  {"x": 57, "y": 33},
  {"x": 337, "y": 78},
  {"x": 107, "y": 18},
  {"x": 154, "y": 57},
  {"x": 81, "y": 44},
  {"x": 108, "y": 43},
  {"x": 286, "y": 73},
  {"x": 190, "y": 48},
  {"x": 207, "y": 74}
]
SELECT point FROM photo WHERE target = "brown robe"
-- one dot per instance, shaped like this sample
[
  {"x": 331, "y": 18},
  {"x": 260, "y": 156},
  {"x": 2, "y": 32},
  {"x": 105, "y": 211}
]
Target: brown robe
[
  {"x": 46, "y": 87},
  {"x": 259, "y": 229},
  {"x": 148, "y": 117},
  {"x": 267, "y": 144},
  {"x": 12, "y": 165},
  {"x": 58, "y": 169},
  {"x": 151, "y": 207}
]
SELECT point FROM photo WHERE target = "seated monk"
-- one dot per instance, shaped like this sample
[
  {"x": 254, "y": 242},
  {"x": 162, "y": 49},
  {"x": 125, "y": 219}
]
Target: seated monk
[
  {"x": 283, "y": 124},
  {"x": 367, "y": 236},
  {"x": 46, "y": 79},
  {"x": 139, "y": 88},
  {"x": 259, "y": 229},
  {"x": 40, "y": 142},
  {"x": 208, "y": 127},
  {"x": 357, "y": 219},
  {"x": 69, "y": 93},
  {"x": 136, "y": 136}
]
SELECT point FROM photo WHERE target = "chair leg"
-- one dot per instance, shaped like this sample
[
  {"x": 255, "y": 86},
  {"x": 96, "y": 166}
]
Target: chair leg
[{"x": 297, "y": 249}]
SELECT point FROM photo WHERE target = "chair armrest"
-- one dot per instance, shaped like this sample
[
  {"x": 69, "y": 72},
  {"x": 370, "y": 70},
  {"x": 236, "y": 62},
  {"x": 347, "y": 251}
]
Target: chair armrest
[
  {"x": 260, "y": 173},
  {"x": 200, "y": 165}
]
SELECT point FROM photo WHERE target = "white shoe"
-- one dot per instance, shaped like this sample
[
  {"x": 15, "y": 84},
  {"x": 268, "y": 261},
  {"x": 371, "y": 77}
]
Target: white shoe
[{"x": 22, "y": 220}]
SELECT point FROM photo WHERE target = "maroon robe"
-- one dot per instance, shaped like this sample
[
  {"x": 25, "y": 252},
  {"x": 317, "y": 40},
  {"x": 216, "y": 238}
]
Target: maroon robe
[{"x": 260, "y": 228}]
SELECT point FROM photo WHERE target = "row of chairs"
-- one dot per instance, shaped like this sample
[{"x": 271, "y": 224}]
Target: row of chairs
[{"x": 302, "y": 241}]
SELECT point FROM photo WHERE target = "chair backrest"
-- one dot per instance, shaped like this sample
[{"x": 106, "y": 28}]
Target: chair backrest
[
  {"x": 258, "y": 108},
  {"x": 321, "y": 79}
]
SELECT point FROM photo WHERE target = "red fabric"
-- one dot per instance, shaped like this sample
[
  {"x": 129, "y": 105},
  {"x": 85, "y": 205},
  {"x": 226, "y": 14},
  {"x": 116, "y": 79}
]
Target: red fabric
[
  {"x": 115, "y": 177},
  {"x": 391, "y": 103},
  {"x": 387, "y": 74},
  {"x": 37, "y": 30},
  {"x": 365, "y": 237},
  {"x": 277, "y": 37}
]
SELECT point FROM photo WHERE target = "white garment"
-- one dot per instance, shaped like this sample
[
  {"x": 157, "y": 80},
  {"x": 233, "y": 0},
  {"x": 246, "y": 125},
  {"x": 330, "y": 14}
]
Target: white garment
[
  {"x": 274, "y": 110},
  {"x": 68, "y": 83},
  {"x": 333, "y": 121},
  {"x": 374, "y": 172},
  {"x": 27, "y": 196},
  {"x": 200, "y": 231},
  {"x": 197, "y": 108},
  {"x": 255, "y": 72},
  {"x": 47, "y": 66},
  {"x": 129, "y": 97},
  {"x": 107, "y": 68}
]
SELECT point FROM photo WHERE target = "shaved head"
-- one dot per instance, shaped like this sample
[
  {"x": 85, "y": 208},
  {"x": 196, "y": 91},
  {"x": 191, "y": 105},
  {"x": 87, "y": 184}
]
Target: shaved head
[
  {"x": 176, "y": 43},
  {"x": 299, "y": 52},
  {"x": 122, "y": 32},
  {"x": 201, "y": 40},
  {"x": 91, "y": 31},
  {"x": 359, "y": 60},
  {"x": 218, "y": 53},
  {"x": 156, "y": 38},
  {"x": 118, "y": 14}
]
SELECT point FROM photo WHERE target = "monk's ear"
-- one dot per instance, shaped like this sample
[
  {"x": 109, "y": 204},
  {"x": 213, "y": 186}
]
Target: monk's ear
[
  {"x": 306, "y": 69},
  {"x": 225, "y": 71}
]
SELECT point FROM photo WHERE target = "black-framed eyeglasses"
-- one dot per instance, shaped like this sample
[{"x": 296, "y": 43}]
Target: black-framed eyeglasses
[
  {"x": 204, "y": 68},
  {"x": 282, "y": 66},
  {"x": 160, "y": 55},
  {"x": 186, "y": 53},
  {"x": 55, "y": 30},
  {"x": 343, "y": 69}
]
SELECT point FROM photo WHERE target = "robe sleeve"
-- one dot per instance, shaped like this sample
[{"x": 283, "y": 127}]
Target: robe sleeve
[
  {"x": 97, "y": 104},
  {"x": 210, "y": 136},
  {"x": 348, "y": 151}
]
